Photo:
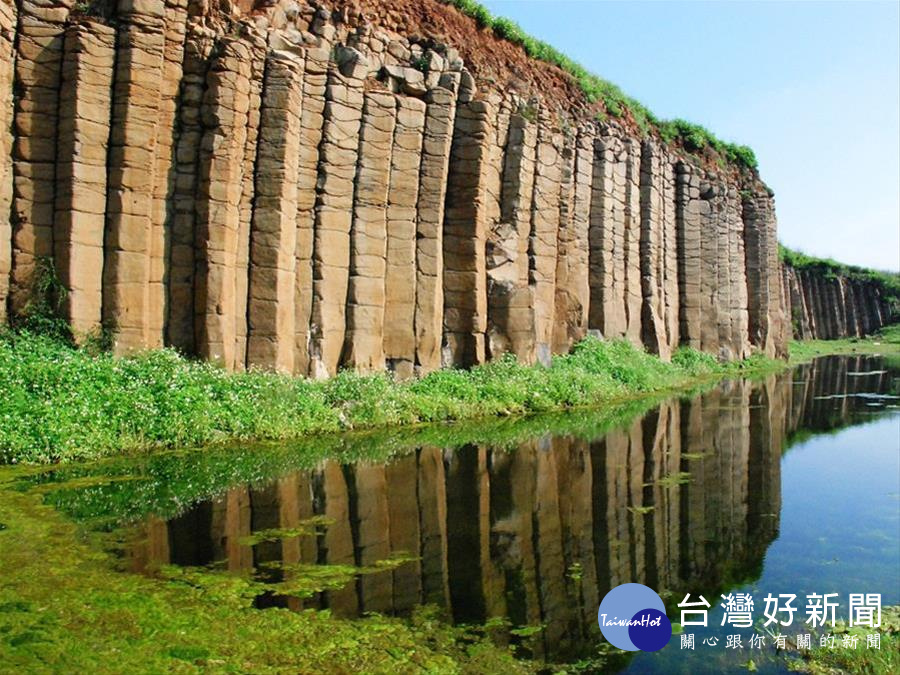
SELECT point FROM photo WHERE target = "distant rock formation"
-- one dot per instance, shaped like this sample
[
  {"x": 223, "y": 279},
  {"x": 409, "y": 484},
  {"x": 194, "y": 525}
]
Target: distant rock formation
[
  {"x": 302, "y": 189},
  {"x": 824, "y": 305}
]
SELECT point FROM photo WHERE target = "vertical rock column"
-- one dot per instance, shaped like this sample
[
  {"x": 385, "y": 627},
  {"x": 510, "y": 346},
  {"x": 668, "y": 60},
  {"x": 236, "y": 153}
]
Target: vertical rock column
[
  {"x": 564, "y": 244},
  {"x": 740, "y": 330},
  {"x": 670, "y": 255},
  {"x": 175, "y": 15},
  {"x": 334, "y": 210},
  {"x": 39, "y": 45},
  {"x": 542, "y": 245},
  {"x": 274, "y": 231},
  {"x": 759, "y": 246},
  {"x": 439, "y": 115},
  {"x": 711, "y": 273},
  {"x": 180, "y": 304},
  {"x": 225, "y": 106},
  {"x": 400, "y": 273},
  {"x": 8, "y": 20},
  {"x": 573, "y": 288},
  {"x": 81, "y": 170},
  {"x": 632, "y": 240},
  {"x": 653, "y": 253},
  {"x": 364, "y": 341},
  {"x": 510, "y": 311},
  {"x": 465, "y": 220},
  {"x": 607, "y": 238},
  {"x": 311, "y": 120},
  {"x": 132, "y": 157},
  {"x": 256, "y": 45},
  {"x": 687, "y": 219}
]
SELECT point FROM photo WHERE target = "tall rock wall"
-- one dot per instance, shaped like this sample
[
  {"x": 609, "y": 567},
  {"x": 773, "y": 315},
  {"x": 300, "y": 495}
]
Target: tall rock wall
[
  {"x": 826, "y": 306},
  {"x": 305, "y": 189}
]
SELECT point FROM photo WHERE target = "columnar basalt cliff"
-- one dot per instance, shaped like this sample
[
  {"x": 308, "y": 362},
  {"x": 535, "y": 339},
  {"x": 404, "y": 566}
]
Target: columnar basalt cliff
[
  {"x": 823, "y": 305},
  {"x": 384, "y": 185}
]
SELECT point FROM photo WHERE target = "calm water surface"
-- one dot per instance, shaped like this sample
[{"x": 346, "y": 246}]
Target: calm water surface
[{"x": 786, "y": 485}]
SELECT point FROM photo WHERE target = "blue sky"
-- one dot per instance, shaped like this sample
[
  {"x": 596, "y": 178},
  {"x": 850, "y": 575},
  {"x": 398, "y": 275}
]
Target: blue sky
[{"x": 812, "y": 87}]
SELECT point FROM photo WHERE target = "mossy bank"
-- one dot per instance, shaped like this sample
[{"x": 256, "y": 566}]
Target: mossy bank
[{"x": 62, "y": 403}]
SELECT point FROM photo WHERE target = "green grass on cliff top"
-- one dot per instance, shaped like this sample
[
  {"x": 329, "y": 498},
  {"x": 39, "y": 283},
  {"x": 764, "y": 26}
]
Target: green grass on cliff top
[
  {"x": 693, "y": 137},
  {"x": 61, "y": 403},
  {"x": 829, "y": 268}
]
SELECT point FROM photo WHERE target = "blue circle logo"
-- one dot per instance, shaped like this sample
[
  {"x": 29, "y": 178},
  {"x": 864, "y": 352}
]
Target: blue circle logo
[{"x": 633, "y": 617}]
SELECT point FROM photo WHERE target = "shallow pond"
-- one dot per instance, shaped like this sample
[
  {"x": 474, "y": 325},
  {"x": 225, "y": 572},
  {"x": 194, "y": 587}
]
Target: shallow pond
[{"x": 790, "y": 484}]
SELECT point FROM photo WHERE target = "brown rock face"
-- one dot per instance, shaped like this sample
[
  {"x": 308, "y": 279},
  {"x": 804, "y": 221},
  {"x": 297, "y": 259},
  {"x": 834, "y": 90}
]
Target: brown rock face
[
  {"x": 825, "y": 306},
  {"x": 304, "y": 190}
]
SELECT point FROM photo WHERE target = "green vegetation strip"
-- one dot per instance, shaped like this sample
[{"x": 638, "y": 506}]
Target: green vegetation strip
[
  {"x": 693, "y": 137},
  {"x": 61, "y": 403},
  {"x": 829, "y": 268}
]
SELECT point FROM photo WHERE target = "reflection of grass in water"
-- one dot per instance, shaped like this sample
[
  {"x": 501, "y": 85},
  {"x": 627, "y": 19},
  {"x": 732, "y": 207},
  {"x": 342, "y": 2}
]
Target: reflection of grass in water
[
  {"x": 641, "y": 510},
  {"x": 862, "y": 659},
  {"x": 65, "y": 608},
  {"x": 672, "y": 479},
  {"x": 306, "y": 527}
]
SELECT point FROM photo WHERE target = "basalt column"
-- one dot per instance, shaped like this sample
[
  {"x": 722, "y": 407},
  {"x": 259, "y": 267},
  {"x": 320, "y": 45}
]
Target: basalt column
[
  {"x": 38, "y": 40},
  {"x": 712, "y": 274},
  {"x": 136, "y": 116},
  {"x": 8, "y": 18},
  {"x": 572, "y": 284},
  {"x": 657, "y": 212},
  {"x": 687, "y": 216},
  {"x": 257, "y": 49},
  {"x": 400, "y": 273},
  {"x": 439, "y": 115},
  {"x": 311, "y": 120},
  {"x": 81, "y": 171},
  {"x": 510, "y": 310},
  {"x": 274, "y": 231},
  {"x": 763, "y": 284},
  {"x": 165, "y": 172},
  {"x": 542, "y": 245},
  {"x": 180, "y": 304},
  {"x": 338, "y": 155},
  {"x": 465, "y": 221},
  {"x": 225, "y": 114},
  {"x": 364, "y": 342},
  {"x": 608, "y": 313}
]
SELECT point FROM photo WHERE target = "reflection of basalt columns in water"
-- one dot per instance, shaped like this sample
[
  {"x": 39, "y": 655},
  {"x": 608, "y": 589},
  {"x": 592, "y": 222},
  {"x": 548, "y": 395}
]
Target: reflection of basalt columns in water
[{"x": 539, "y": 533}]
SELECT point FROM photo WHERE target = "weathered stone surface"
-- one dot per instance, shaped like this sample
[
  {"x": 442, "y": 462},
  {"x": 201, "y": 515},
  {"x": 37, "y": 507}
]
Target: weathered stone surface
[
  {"x": 273, "y": 233},
  {"x": 510, "y": 307},
  {"x": 364, "y": 340},
  {"x": 465, "y": 223},
  {"x": 429, "y": 320},
  {"x": 821, "y": 308},
  {"x": 543, "y": 244},
  {"x": 181, "y": 269},
  {"x": 225, "y": 115},
  {"x": 572, "y": 285},
  {"x": 84, "y": 113},
  {"x": 608, "y": 254},
  {"x": 38, "y": 59},
  {"x": 8, "y": 18},
  {"x": 334, "y": 210},
  {"x": 687, "y": 219},
  {"x": 136, "y": 117},
  {"x": 400, "y": 272},
  {"x": 312, "y": 121}
]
